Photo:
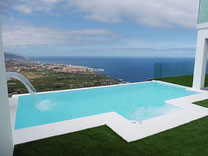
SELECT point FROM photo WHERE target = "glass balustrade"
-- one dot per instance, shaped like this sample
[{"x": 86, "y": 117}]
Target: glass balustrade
[{"x": 203, "y": 12}]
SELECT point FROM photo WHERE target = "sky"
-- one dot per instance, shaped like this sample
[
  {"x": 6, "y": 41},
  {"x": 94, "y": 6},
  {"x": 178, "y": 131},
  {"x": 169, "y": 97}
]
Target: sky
[{"x": 142, "y": 28}]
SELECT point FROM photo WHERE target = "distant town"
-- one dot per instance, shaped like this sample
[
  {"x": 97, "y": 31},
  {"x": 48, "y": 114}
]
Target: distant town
[
  {"x": 48, "y": 77},
  {"x": 16, "y": 65}
]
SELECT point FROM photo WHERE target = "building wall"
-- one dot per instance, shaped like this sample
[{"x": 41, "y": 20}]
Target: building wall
[
  {"x": 200, "y": 59},
  {"x": 6, "y": 143},
  {"x": 202, "y": 46}
]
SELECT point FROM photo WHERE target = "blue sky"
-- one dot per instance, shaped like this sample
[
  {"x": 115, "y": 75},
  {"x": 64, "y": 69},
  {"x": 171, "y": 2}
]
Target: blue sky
[{"x": 100, "y": 28}]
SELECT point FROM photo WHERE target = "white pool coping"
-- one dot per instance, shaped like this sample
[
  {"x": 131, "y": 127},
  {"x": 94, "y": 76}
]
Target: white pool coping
[{"x": 126, "y": 129}]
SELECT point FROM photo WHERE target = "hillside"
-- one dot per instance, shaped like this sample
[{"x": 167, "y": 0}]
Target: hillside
[{"x": 14, "y": 56}]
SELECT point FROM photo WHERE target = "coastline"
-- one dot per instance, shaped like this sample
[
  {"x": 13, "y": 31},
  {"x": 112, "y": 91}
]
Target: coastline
[
  {"x": 50, "y": 77},
  {"x": 13, "y": 64}
]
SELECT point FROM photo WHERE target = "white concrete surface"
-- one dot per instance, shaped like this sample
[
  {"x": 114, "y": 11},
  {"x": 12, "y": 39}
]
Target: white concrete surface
[
  {"x": 6, "y": 144},
  {"x": 123, "y": 127}
]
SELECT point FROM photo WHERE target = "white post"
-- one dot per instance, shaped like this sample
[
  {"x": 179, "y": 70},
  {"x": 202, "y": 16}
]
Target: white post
[
  {"x": 6, "y": 142},
  {"x": 200, "y": 60}
]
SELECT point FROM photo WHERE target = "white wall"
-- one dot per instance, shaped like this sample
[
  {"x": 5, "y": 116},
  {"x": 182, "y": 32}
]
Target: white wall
[
  {"x": 6, "y": 143},
  {"x": 200, "y": 59}
]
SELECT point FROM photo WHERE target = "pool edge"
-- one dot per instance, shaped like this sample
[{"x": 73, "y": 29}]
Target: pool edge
[{"x": 122, "y": 126}]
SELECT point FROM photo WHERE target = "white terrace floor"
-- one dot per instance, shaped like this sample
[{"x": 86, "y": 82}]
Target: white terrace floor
[{"x": 128, "y": 130}]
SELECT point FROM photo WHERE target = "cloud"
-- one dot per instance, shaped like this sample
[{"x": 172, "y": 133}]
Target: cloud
[
  {"x": 45, "y": 41},
  {"x": 51, "y": 1},
  {"x": 33, "y": 6},
  {"x": 4, "y": 5},
  {"x": 137, "y": 51},
  {"x": 141, "y": 49},
  {"x": 155, "y": 13},
  {"x": 24, "y": 35},
  {"x": 23, "y": 8}
]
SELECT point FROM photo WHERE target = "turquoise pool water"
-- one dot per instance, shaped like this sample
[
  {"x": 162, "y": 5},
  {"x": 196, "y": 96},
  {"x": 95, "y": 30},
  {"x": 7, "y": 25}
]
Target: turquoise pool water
[{"x": 138, "y": 102}]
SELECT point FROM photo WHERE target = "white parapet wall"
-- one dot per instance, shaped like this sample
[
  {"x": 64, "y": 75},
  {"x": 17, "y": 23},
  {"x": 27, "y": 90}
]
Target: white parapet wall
[{"x": 6, "y": 142}]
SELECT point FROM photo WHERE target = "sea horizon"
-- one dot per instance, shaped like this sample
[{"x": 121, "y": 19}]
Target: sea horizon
[{"x": 127, "y": 69}]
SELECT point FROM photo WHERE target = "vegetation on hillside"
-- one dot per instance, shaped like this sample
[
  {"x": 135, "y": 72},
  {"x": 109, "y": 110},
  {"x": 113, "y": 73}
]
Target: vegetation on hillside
[
  {"x": 50, "y": 80},
  {"x": 14, "y": 56}
]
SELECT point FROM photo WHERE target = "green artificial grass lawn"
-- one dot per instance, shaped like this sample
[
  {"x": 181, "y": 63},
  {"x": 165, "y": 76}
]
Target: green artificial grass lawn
[
  {"x": 187, "y": 140},
  {"x": 182, "y": 80},
  {"x": 203, "y": 103}
]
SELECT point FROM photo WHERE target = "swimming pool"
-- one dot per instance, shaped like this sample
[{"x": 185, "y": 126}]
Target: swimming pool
[{"x": 137, "y": 101}]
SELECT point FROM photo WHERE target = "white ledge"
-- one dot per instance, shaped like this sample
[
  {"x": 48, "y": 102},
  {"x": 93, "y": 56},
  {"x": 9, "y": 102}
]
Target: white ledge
[{"x": 202, "y": 26}]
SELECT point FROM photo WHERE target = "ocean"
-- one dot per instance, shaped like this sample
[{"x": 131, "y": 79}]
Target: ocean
[{"x": 128, "y": 69}]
